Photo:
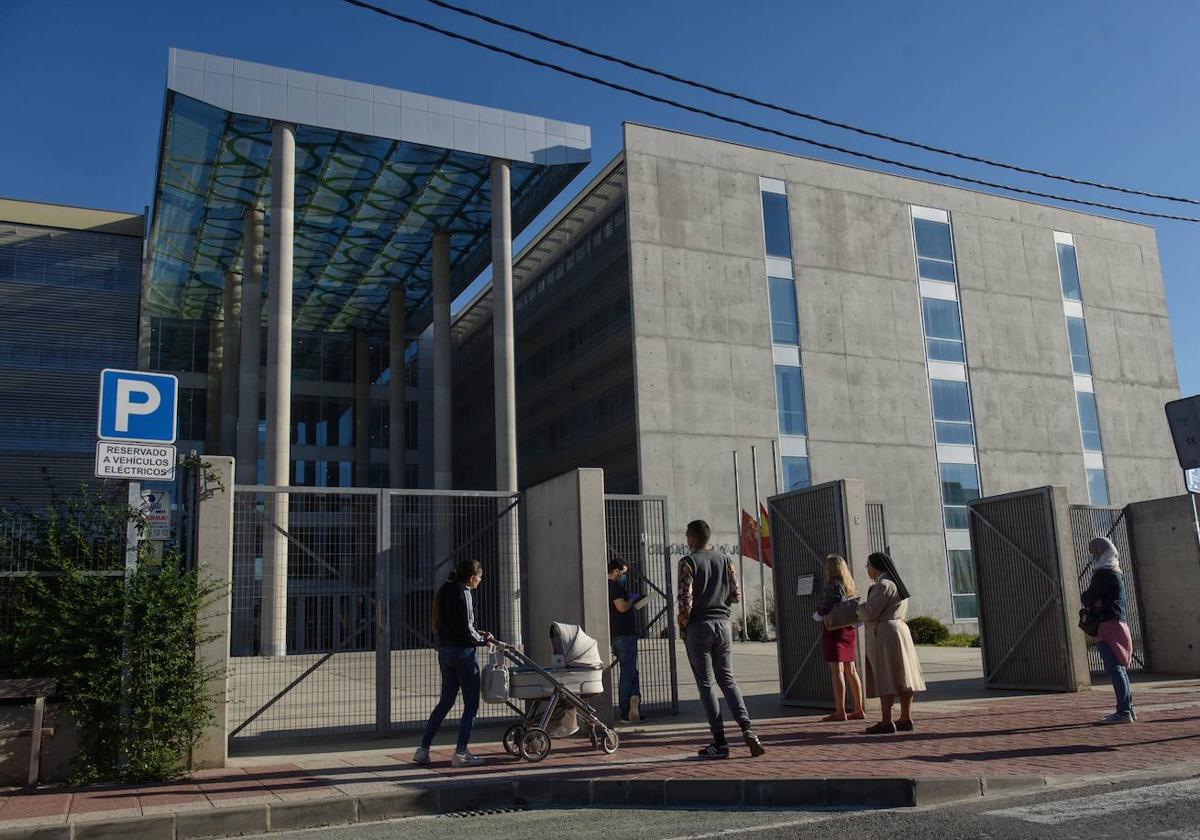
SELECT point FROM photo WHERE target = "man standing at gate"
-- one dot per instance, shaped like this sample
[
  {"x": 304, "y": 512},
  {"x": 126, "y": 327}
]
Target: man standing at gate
[
  {"x": 708, "y": 584},
  {"x": 622, "y": 629}
]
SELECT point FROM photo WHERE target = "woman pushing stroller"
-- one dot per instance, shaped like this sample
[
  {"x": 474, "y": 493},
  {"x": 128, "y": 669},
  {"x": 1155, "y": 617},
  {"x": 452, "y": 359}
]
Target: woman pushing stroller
[{"x": 457, "y": 639}]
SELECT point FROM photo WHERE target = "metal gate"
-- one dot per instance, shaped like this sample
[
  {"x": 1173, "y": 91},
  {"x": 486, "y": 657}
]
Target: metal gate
[
  {"x": 877, "y": 535},
  {"x": 1088, "y": 522},
  {"x": 1028, "y": 596},
  {"x": 636, "y": 529},
  {"x": 806, "y": 525},
  {"x": 351, "y": 600}
]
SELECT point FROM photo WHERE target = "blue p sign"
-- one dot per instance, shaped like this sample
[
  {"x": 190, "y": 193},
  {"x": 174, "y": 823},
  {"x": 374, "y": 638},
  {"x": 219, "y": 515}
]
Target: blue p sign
[{"x": 140, "y": 406}]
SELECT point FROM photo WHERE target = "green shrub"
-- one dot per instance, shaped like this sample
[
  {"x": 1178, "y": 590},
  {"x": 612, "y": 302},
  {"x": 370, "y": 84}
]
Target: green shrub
[
  {"x": 84, "y": 626},
  {"x": 960, "y": 640},
  {"x": 753, "y": 628},
  {"x": 927, "y": 630}
]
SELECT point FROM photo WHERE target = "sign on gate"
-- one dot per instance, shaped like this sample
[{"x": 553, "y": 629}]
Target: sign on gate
[
  {"x": 137, "y": 422},
  {"x": 157, "y": 507}
]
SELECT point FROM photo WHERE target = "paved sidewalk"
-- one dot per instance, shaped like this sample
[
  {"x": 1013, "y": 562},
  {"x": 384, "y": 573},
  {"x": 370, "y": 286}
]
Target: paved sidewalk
[{"x": 1050, "y": 735}]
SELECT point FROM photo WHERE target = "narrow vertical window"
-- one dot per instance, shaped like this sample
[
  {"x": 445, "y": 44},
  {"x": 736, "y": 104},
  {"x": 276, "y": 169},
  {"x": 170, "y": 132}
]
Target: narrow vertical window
[
  {"x": 1081, "y": 361},
  {"x": 785, "y": 319},
  {"x": 1089, "y": 421},
  {"x": 789, "y": 391},
  {"x": 1068, "y": 271},
  {"x": 776, "y": 226}
]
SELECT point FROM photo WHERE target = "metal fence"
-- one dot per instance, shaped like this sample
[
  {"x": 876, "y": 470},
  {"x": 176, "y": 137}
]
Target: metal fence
[
  {"x": 332, "y": 597},
  {"x": 636, "y": 529},
  {"x": 1088, "y": 522}
]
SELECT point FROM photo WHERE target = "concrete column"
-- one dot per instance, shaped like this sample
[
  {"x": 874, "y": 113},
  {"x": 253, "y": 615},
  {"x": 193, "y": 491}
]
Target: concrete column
[
  {"x": 568, "y": 566},
  {"x": 502, "y": 329},
  {"x": 214, "y": 566},
  {"x": 212, "y": 388},
  {"x": 250, "y": 347},
  {"x": 231, "y": 348},
  {"x": 506, "y": 390},
  {"x": 443, "y": 477},
  {"x": 397, "y": 313},
  {"x": 1165, "y": 560},
  {"x": 279, "y": 386},
  {"x": 362, "y": 409}
]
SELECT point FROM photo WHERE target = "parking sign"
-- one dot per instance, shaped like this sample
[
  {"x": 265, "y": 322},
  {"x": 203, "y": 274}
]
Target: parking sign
[{"x": 138, "y": 406}]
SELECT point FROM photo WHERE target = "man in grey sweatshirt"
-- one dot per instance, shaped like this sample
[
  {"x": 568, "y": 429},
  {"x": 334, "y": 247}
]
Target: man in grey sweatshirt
[{"x": 708, "y": 584}]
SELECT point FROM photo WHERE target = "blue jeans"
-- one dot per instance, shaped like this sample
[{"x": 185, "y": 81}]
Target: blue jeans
[
  {"x": 625, "y": 648},
  {"x": 460, "y": 670},
  {"x": 1119, "y": 677}
]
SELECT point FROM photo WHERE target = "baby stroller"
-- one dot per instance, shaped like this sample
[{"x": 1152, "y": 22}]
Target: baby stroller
[{"x": 576, "y": 672}]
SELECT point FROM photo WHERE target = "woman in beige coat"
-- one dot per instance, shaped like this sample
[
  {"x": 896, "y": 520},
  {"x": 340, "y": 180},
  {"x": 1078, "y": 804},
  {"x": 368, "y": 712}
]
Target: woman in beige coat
[{"x": 892, "y": 666}]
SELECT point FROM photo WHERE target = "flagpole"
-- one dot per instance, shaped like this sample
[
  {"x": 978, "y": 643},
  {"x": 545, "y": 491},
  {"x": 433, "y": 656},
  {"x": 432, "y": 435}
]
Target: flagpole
[
  {"x": 762, "y": 577},
  {"x": 737, "y": 506},
  {"x": 775, "y": 464}
]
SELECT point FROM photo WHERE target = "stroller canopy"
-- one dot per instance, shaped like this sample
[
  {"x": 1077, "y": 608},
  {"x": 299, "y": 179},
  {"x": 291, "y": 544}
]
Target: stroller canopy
[{"x": 577, "y": 648}]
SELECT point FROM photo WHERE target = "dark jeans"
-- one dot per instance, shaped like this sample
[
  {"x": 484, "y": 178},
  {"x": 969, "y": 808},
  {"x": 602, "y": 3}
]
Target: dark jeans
[
  {"x": 709, "y": 648},
  {"x": 625, "y": 649},
  {"x": 1119, "y": 677},
  {"x": 459, "y": 671}
]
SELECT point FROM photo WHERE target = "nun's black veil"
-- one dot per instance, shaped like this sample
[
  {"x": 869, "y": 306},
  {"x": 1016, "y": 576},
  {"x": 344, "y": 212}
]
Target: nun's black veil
[{"x": 883, "y": 563}]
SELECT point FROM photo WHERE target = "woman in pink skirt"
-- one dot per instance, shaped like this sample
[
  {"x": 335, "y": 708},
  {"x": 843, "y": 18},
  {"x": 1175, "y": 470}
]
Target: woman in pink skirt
[{"x": 839, "y": 646}]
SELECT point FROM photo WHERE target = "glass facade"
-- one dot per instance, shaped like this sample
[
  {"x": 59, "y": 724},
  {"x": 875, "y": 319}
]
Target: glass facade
[
  {"x": 785, "y": 336},
  {"x": 949, "y": 397},
  {"x": 70, "y": 302},
  {"x": 796, "y": 474},
  {"x": 1081, "y": 366}
]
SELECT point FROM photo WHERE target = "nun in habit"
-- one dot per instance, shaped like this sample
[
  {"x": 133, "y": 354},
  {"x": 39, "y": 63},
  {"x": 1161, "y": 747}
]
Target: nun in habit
[{"x": 892, "y": 666}]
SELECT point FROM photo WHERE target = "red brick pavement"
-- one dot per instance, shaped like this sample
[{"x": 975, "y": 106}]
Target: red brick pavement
[{"x": 1052, "y": 735}]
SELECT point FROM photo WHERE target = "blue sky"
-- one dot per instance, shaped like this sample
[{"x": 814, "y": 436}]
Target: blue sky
[{"x": 1101, "y": 90}]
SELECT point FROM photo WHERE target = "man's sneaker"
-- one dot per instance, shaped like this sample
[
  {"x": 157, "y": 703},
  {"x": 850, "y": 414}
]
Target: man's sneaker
[
  {"x": 715, "y": 751},
  {"x": 421, "y": 756},
  {"x": 1118, "y": 717},
  {"x": 755, "y": 745},
  {"x": 635, "y": 712},
  {"x": 465, "y": 759}
]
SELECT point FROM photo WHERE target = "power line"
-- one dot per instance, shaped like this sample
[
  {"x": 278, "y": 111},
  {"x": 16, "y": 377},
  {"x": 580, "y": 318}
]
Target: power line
[
  {"x": 755, "y": 126},
  {"x": 783, "y": 109}
]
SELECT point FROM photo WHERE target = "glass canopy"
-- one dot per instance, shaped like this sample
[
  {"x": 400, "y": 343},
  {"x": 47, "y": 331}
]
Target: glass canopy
[{"x": 366, "y": 209}]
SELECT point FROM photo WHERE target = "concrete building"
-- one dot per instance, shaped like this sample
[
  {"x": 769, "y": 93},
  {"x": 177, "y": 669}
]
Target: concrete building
[
  {"x": 69, "y": 281},
  {"x": 936, "y": 342}
]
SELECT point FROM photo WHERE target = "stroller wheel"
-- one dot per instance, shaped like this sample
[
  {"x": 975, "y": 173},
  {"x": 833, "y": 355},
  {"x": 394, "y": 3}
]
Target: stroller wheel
[
  {"x": 535, "y": 745},
  {"x": 610, "y": 743},
  {"x": 512, "y": 739}
]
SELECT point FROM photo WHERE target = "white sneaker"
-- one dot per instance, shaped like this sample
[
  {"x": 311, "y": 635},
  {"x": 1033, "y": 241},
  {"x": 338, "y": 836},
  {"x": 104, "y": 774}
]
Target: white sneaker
[
  {"x": 1118, "y": 717},
  {"x": 421, "y": 756},
  {"x": 635, "y": 713},
  {"x": 465, "y": 759}
]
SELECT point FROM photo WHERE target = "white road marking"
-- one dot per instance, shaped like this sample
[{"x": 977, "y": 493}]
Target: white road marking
[
  {"x": 1098, "y": 805},
  {"x": 732, "y": 832}
]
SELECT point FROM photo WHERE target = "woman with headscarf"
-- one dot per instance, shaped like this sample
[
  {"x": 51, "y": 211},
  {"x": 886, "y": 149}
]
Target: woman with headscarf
[
  {"x": 1105, "y": 600},
  {"x": 893, "y": 669}
]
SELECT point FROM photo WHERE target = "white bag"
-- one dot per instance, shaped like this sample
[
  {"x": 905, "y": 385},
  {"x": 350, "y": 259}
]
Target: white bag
[{"x": 494, "y": 684}]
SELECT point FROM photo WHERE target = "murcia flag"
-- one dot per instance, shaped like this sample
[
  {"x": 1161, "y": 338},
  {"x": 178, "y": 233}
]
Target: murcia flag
[{"x": 750, "y": 530}]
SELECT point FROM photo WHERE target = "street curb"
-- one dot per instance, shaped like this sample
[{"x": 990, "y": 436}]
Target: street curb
[{"x": 457, "y": 797}]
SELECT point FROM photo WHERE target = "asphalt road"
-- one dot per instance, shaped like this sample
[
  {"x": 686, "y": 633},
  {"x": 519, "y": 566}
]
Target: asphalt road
[{"x": 1147, "y": 808}]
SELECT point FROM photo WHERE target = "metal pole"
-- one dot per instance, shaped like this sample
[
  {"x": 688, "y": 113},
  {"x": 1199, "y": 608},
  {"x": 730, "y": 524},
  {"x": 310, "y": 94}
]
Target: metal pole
[
  {"x": 775, "y": 464},
  {"x": 737, "y": 504},
  {"x": 131, "y": 558},
  {"x": 762, "y": 575}
]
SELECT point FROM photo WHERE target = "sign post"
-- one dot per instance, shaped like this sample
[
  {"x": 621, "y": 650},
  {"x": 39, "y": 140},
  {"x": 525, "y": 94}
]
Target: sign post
[
  {"x": 1183, "y": 418},
  {"x": 137, "y": 426}
]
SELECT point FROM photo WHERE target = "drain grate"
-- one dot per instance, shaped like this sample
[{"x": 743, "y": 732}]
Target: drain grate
[{"x": 485, "y": 812}]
